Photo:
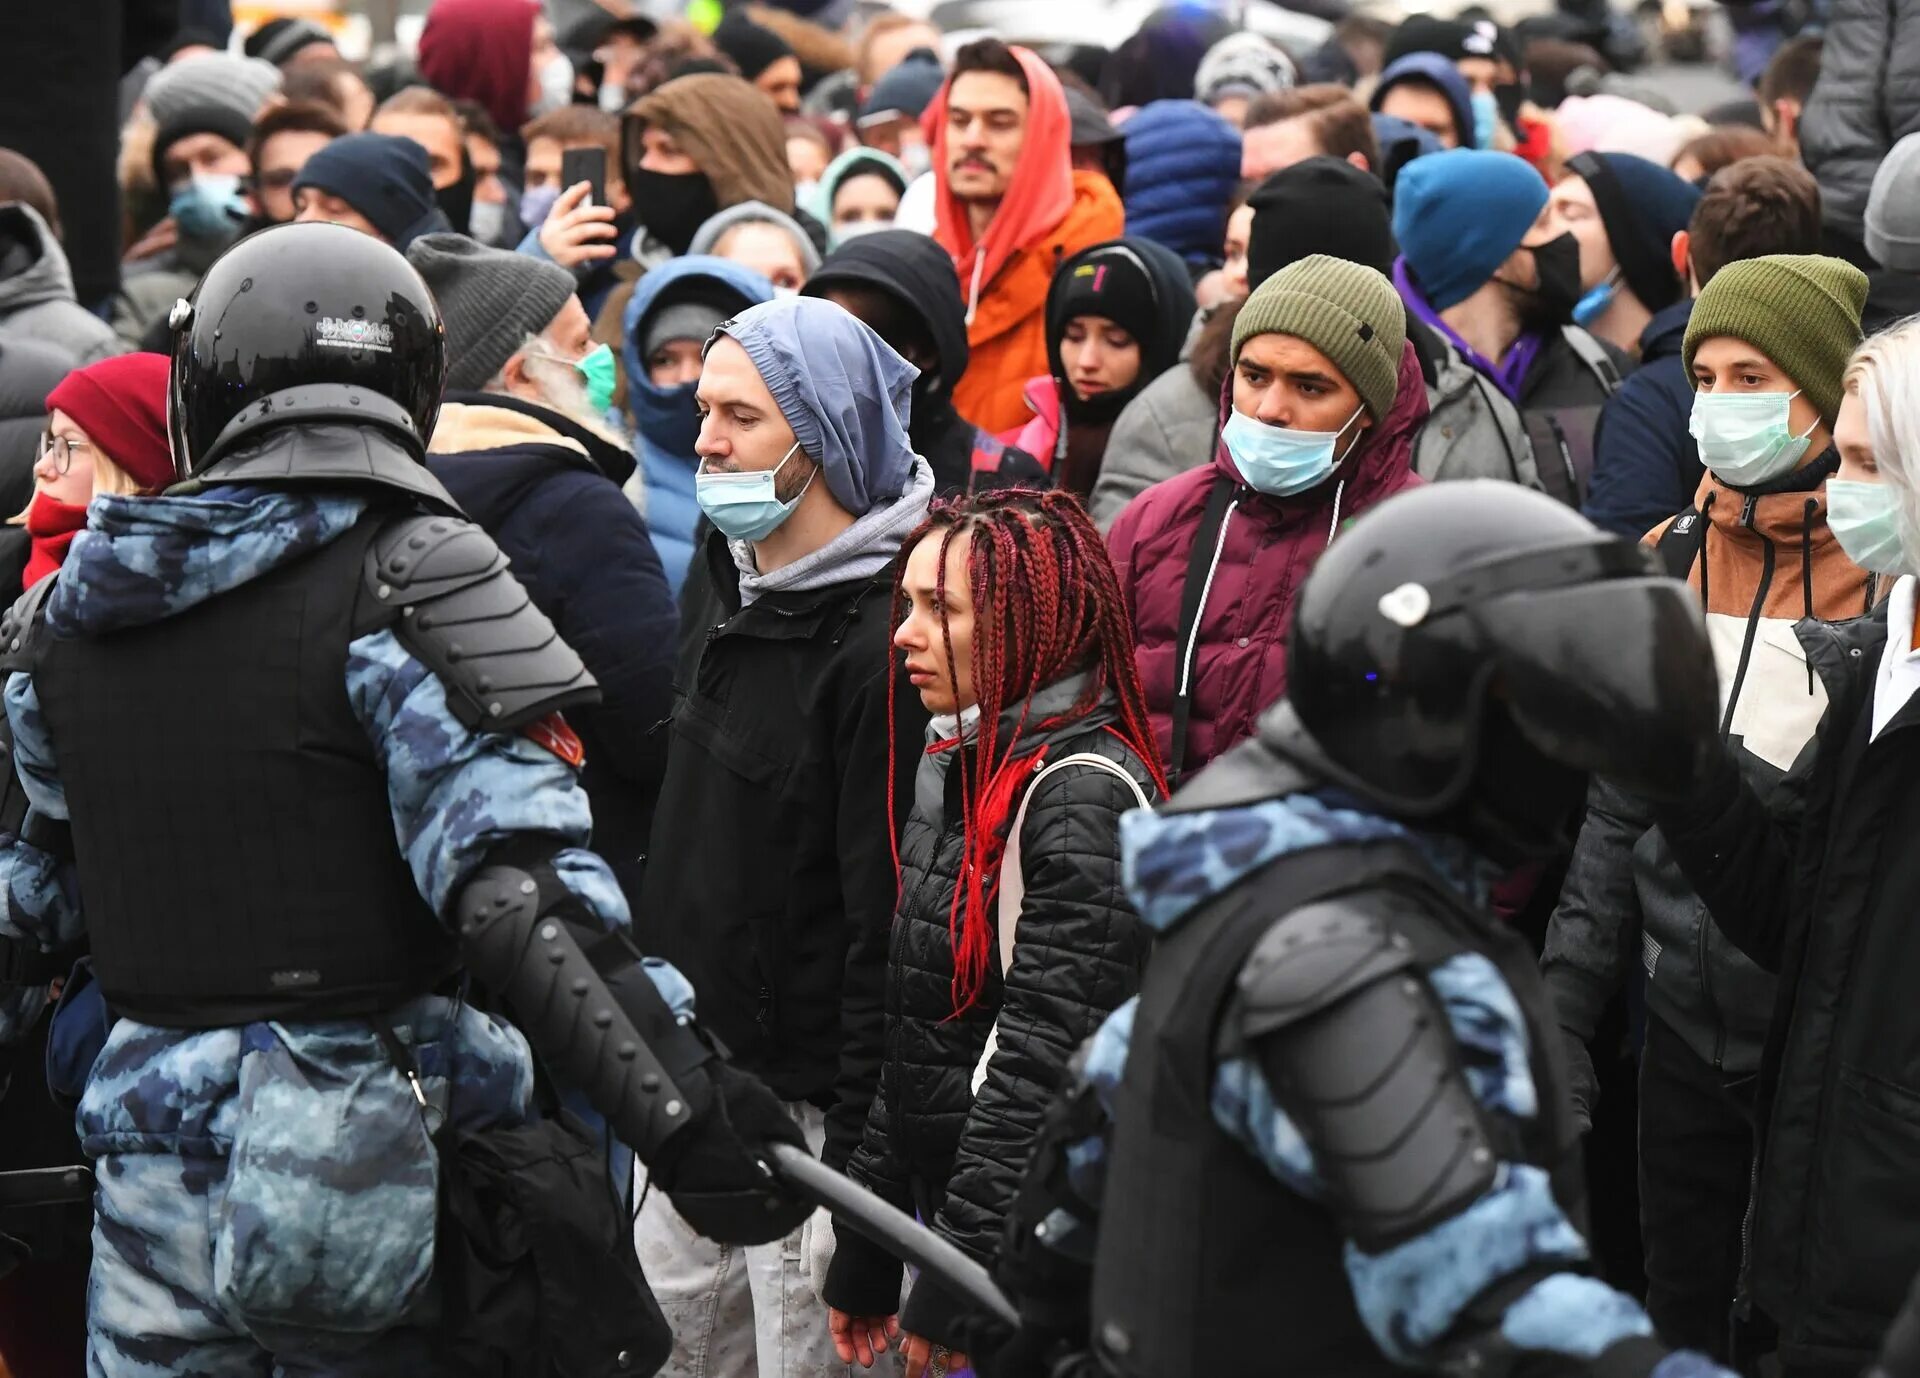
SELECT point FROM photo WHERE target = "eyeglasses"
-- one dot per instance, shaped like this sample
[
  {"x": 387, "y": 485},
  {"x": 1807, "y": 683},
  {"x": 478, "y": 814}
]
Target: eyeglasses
[{"x": 60, "y": 450}]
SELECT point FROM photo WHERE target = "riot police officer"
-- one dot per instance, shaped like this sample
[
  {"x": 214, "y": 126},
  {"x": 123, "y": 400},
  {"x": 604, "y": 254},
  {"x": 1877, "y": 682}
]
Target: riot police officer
[
  {"x": 292, "y": 741},
  {"x": 1331, "y": 1137}
]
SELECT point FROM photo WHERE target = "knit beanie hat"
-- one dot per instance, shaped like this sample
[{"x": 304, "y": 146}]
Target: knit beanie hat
[
  {"x": 279, "y": 39},
  {"x": 1893, "y": 209},
  {"x": 383, "y": 176},
  {"x": 1349, "y": 313},
  {"x": 1452, "y": 39},
  {"x": 1242, "y": 64},
  {"x": 215, "y": 93},
  {"x": 1435, "y": 71},
  {"x": 122, "y": 404},
  {"x": 1643, "y": 206},
  {"x": 1459, "y": 215},
  {"x": 1800, "y": 310},
  {"x": 1108, "y": 280},
  {"x": 752, "y": 48},
  {"x": 1321, "y": 205},
  {"x": 688, "y": 319},
  {"x": 490, "y": 300}
]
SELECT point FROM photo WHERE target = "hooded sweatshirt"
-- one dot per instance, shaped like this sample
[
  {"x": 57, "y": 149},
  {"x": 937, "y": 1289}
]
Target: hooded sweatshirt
[
  {"x": 1070, "y": 436},
  {"x": 1049, "y": 212},
  {"x": 36, "y": 291},
  {"x": 917, "y": 274},
  {"x": 855, "y": 162},
  {"x": 1761, "y": 563},
  {"x": 480, "y": 50},
  {"x": 1236, "y": 663},
  {"x": 665, "y": 423},
  {"x": 715, "y": 227}
]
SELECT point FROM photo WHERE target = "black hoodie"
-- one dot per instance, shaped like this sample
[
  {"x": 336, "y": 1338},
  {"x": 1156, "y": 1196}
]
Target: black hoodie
[{"x": 917, "y": 273}]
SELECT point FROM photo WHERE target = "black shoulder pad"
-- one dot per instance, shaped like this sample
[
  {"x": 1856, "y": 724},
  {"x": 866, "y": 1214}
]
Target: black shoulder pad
[
  {"x": 1358, "y": 1051},
  {"x": 469, "y": 621},
  {"x": 1314, "y": 958},
  {"x": 23, "y": 629}
]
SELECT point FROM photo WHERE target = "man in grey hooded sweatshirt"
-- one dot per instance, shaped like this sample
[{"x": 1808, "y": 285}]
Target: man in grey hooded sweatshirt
[{"x": 771, "y": 880}]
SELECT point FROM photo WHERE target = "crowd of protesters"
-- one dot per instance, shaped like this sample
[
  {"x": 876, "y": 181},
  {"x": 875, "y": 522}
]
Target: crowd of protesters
[{"x": 923, "y": 442}]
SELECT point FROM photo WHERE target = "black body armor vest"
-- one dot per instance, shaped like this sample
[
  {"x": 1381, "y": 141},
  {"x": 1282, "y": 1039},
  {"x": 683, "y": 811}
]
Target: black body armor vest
[
  {"x": 231, "y": 825},
  {"x": 1204, "y": 1256}
]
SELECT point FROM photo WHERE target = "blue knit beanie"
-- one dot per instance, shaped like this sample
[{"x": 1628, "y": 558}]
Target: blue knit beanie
[
  {"x": 383, "y": 176},
  {"x": 1438, "y": 72},
  {"x": 1459, "y": 215}
]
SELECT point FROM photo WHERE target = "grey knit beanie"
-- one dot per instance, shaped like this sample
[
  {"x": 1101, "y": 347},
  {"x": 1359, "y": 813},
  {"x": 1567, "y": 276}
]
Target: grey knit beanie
[
  {"x": 1348, "y": 312},
  {"x": 490, "y": 299},
  {"x": 1893, "y": 209},
  {"x": 216, "y": 93}
]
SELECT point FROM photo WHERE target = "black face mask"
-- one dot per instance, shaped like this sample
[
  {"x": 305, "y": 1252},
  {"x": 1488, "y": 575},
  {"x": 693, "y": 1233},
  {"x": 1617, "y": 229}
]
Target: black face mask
[
  {"x": 1510, "y": 98},
  {"x": 1550, "y": 304},
  {"x": 675, "y": 204},
  {"x": 456, "y": 201}
]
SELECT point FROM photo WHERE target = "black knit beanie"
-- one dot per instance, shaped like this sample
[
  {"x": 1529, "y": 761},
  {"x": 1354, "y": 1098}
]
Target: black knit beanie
[{"x": 1320, "y": 205}]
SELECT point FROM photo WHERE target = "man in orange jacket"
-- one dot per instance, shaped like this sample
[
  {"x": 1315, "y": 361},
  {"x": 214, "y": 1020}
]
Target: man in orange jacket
[{"x": 1009, "y": 208}]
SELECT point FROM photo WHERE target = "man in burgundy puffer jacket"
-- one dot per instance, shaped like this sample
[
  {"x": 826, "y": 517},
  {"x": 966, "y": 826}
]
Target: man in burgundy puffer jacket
[{"x": 1318, "y": 420}]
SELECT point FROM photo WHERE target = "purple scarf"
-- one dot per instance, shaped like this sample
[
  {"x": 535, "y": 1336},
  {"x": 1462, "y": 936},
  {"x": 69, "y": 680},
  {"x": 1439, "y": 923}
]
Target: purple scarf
[{"x": 1508, "y": 374}]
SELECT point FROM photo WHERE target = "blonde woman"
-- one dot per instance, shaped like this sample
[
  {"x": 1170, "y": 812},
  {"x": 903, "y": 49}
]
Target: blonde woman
[
  {"x": 1822, "y": 888},
  {"x": 106, "y": 433}
]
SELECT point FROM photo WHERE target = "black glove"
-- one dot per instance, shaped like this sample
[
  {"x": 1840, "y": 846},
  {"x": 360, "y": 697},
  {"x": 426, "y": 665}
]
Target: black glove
[{"x": 714, "y": 1169}]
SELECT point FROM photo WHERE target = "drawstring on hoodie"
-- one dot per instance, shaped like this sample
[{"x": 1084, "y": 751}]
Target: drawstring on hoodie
[
  {"x": 1806, "y": 569},
  {"x": 1706, "y": 530},
  {"x": 973, "y": 292},
  {"x": 1333, "y": 527}
]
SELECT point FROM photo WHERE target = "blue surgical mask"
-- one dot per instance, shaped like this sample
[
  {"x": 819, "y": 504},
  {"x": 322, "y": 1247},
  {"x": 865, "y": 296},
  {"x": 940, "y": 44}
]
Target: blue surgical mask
[
  {"x": 1744, "y": 437},
  {"x": 1594, "y": 304},
  {"x": 746, "y": 507},
  {"x": 1486, "y": 118},
  {"x": 209, "y": 208},
  {"x": 1279, "y": 461},
  {"x": 536, "y": 203},
  {"x": 598, "y": 369},
  {"x": 1865, "y": 518}
]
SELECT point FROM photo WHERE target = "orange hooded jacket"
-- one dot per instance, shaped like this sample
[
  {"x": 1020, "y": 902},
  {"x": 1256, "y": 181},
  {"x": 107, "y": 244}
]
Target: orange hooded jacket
[{"x": 1050, "y": 213}]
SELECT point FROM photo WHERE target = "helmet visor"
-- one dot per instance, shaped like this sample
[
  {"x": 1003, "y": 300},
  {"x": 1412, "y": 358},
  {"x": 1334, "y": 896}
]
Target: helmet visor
[{"x": 1615, "y": 678}]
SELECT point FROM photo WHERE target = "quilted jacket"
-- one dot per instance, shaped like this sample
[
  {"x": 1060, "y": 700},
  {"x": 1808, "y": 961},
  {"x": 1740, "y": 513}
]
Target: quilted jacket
[{"x": 931, "y": 1144}]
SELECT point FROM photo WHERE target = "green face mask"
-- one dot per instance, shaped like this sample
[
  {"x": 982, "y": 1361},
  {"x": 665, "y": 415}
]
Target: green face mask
[
  {"x": 598, "y": 369},
  {"x": 1865, "y": 518}
]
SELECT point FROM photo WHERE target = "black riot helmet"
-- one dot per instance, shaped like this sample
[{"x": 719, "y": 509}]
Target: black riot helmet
[
  {"x": 1472, "y": 650},
  {"x": 304, "y": 323}
]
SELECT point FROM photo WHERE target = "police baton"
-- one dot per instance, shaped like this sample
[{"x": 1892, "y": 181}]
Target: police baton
[{"x": 892, "y": 1229}]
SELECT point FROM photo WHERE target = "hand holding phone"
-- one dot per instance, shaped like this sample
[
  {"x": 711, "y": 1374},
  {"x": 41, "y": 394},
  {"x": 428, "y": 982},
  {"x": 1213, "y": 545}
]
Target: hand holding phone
[{"x": 587, "y": 165}]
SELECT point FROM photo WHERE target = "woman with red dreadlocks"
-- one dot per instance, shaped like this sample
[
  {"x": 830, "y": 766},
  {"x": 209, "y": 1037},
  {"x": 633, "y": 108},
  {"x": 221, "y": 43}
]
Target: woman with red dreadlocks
[{"x": 1011, "y": 622}]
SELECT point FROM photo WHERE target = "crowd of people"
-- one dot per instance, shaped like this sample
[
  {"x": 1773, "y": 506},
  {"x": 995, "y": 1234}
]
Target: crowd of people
[{"x": 1218, "y": 669}]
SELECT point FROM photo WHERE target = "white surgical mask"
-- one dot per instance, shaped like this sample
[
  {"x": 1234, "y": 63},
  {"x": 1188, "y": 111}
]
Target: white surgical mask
[
  {"x": 556, "y": 86},
  {"x": 1745, "y": 438}
]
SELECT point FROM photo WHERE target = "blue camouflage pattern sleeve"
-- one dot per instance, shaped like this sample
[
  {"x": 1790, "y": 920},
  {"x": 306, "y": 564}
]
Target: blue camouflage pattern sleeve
[
  {"x": 457, "y": 794},
  {"x": 42, "y": 897}
]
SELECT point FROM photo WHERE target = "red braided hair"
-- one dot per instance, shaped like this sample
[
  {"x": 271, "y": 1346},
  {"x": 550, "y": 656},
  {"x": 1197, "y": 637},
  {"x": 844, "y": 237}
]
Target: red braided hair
[{"x": 1046, "y": 605}]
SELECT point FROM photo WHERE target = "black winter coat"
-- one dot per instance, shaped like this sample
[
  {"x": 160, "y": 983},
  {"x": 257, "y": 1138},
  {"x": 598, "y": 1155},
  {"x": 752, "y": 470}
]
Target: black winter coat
[
  {"x": 771, "y": 881},
  {"x": 584, "y": 556},
  {"x": 1821, "y": 884},
  {"x": 931, "y": 1144}
]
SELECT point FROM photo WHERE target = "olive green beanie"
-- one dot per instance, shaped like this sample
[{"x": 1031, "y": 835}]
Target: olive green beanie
[
  {"x": 1348, "y": 312},
  {"x": 1800, "y": 310}
]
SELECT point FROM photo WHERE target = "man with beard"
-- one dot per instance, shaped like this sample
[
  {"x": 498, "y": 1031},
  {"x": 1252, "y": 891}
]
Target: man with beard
[
  {"x": 522, "y": 444},
  {"x": 1009, "y": 207},
  {"x": 1483, "y": 263}
]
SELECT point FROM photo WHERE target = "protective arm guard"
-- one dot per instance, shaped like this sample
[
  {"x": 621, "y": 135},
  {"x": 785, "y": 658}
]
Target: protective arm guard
[
  {"x": 1358, "y": 1052},
  {"x": 609, "y": 1034}
]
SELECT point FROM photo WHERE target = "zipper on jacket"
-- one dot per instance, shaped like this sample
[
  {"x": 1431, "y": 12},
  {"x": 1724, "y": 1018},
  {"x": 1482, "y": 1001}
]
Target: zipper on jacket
[{"x": 1753, "y": 613}]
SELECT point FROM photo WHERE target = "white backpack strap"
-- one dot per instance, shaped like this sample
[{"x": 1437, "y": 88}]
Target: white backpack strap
[{"x": 1013, "y": 884}]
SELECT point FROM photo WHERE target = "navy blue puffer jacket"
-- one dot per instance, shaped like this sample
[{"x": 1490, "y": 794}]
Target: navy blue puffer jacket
[{"x": 1183, "y": 163}]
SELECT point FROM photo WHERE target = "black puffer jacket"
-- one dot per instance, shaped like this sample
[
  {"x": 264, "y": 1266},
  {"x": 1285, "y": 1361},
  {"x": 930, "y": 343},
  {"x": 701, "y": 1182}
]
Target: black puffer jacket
[{"x": 931, "y": 1144}]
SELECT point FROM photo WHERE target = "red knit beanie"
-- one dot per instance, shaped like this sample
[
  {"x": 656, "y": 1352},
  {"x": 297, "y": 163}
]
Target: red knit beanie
[{"x": 121, "y": 403}]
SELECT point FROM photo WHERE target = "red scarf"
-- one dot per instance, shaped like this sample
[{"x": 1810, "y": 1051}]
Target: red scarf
[{"x": 53, "y": 525}]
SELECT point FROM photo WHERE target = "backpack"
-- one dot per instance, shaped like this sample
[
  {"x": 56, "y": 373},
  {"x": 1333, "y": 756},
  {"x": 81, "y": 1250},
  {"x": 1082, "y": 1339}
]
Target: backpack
[{"x": 1562, "y": 437}]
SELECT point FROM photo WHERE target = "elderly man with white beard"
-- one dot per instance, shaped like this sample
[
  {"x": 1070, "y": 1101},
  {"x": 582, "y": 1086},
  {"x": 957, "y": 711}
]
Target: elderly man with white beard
[{"x": 525, "y": 445}]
